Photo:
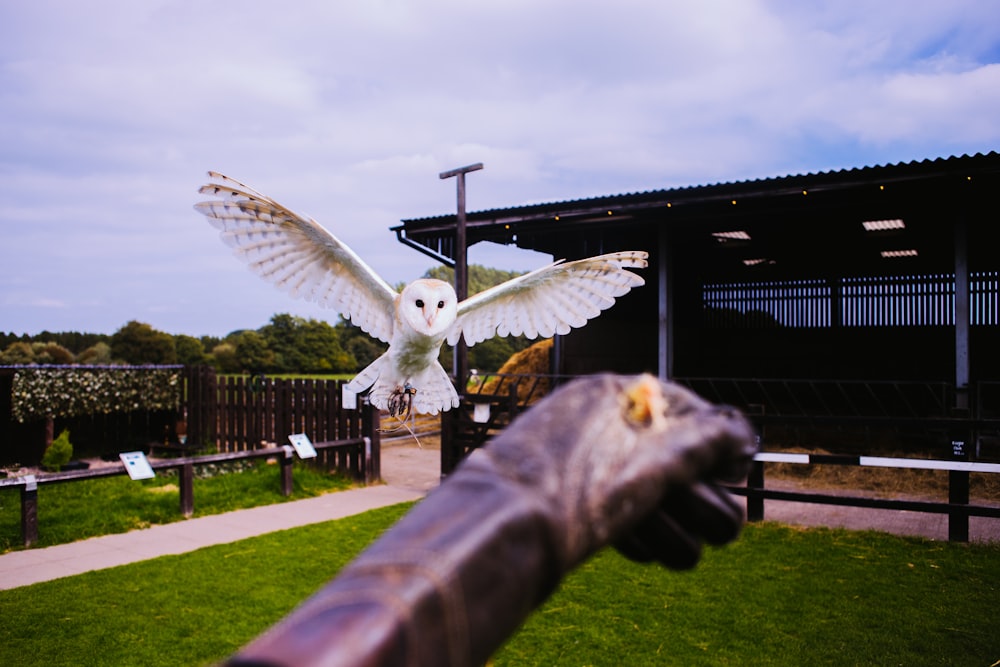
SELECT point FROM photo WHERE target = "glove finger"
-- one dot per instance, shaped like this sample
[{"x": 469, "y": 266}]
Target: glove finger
[
  {"x": 734, "y": 464},
  {"x": 660, "y": 537},
  {"x": 705, "y": 510},
  {"x": 632, "y": 548}
]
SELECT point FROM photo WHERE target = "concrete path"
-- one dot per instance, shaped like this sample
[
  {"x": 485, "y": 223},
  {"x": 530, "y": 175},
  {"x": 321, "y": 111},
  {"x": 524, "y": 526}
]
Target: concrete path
[{"x": 20, "y": 568}]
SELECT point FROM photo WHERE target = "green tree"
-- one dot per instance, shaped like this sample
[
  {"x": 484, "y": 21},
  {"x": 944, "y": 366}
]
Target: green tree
[
  {"x": 96, "y": 354},
  {"x": 223, "y": 358},
  {"x": 306, "y": 346},
  {"x": 74, "y": 341},
  {"x": 140, "y": 343},
  {"x": 364, "y": 348},
  {"x": 51, "y": 353},
  {"x": 190, "y": 350},
  {"x": 58, "y": 453},
  {"x": 8, "y": 339},
  {"x": 208, "y": 343},
  {"x": 253, "y": 354},
  {"x": 18, "y": 353},
  {"x": 490, "y": 354}
]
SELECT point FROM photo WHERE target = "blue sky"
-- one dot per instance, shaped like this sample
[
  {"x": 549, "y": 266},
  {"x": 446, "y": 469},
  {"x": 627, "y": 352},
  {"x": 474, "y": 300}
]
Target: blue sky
[{"x": 112, "y": 111}]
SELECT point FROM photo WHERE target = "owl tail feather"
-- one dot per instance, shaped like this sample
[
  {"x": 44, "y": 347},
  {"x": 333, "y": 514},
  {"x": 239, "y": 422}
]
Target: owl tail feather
[{"x": 434, "y": 391}]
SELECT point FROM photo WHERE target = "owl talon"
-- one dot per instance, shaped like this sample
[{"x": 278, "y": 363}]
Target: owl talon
[{"x": 401, "y": 401}]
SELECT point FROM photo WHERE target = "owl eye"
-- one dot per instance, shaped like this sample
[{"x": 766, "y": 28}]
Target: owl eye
[
  {"x": 440, "y": 304},
  {"x": 420, "y": 303}
]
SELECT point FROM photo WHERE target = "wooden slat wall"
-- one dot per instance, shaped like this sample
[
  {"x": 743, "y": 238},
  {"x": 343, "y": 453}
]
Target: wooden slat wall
[{"x": 867, "y": 301}]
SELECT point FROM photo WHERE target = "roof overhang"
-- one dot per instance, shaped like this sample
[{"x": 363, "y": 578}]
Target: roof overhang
[{"x": 710, "y": 207}]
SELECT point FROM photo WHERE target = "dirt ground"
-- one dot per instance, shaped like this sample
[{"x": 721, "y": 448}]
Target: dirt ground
[
  {"x": 418, "y": 467},
  {"x": 411, "y": 466}
]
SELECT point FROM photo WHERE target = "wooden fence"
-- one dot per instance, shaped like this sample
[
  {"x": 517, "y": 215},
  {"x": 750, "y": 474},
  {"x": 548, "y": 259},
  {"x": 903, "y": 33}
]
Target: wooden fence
[{"x": 241, "y": 413}]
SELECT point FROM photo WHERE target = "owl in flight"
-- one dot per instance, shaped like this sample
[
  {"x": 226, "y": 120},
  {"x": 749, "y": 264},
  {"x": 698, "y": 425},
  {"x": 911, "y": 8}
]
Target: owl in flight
[{"x": 299, "y": 256}]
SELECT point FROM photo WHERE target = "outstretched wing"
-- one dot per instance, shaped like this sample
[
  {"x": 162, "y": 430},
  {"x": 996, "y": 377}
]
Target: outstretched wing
[
  {"x": 296, "y": 254},
  {"x": 548, "y": 301}
]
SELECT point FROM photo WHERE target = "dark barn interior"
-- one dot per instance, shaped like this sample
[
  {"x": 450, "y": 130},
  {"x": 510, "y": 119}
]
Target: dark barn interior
[{"x": 882, "y": 274}]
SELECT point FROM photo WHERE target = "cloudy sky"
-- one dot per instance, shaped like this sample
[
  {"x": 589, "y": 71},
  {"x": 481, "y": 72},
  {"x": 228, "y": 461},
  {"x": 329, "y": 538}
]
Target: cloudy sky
[{"x": 112, "y": 111}]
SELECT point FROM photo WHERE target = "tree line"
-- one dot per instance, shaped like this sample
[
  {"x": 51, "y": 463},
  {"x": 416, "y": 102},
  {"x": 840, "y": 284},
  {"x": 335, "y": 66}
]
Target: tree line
[{"x": 286, "y": 344}]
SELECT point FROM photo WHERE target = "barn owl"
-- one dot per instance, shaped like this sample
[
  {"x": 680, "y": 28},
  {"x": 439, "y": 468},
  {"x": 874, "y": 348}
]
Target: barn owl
[{"x": 302, "y": 258}]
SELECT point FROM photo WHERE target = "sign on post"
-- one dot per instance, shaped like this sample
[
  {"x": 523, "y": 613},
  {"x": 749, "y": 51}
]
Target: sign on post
[
  {"x": 303, "y": 447},
  {"x": 348, "y": 399},
  {"x": 137, "y": 465}
]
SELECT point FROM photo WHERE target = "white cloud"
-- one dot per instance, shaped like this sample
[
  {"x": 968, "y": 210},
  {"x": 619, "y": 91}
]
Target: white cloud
[{"x": 111, "y": 112}]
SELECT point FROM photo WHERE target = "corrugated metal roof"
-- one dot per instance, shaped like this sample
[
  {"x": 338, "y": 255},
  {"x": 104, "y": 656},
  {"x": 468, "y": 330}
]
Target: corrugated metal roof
[{"x": 770, "y": 185}]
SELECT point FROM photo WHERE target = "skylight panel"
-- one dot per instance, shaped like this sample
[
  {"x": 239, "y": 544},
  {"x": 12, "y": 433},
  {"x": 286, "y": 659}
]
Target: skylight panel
[
  {"x": 735, "y": 235},
  {"x": 883, "y": 225}
]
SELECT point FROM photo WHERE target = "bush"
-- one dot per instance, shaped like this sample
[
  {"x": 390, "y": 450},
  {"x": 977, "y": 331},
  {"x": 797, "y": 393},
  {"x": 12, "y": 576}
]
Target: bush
[
  {"x": 58, "y": 453},
  {"x": 18, "y": 353}
]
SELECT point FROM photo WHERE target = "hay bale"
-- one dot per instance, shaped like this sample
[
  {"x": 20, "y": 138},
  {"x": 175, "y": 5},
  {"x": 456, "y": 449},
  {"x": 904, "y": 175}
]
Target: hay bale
[{"x": 534, "y": 360}]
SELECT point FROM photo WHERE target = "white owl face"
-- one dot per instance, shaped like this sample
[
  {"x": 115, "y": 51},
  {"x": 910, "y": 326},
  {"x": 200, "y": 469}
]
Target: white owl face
[{"x": 429, "y": 306}]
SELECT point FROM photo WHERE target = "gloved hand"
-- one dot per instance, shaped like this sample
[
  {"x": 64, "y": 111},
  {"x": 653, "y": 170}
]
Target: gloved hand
[{"x": 628, "y": 461}]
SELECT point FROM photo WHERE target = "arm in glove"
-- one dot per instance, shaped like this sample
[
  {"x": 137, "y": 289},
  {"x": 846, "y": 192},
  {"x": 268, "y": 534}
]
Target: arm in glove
[{"x": 605, "y": 460}]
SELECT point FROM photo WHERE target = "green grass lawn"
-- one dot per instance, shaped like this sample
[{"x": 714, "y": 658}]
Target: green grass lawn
[
  {"x": 779, "y": 596},
  {"x": 66, "y": 509}
]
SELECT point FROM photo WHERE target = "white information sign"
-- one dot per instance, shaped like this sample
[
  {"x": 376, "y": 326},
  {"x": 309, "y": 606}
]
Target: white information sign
[
  {"x": 481, "y": 413},
  {"x": 303, "y": 447},
  {"x": 348, "y": 399},
  {"x": 137, "y": 465}
]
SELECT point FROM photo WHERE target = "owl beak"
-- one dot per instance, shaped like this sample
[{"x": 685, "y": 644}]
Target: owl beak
[{"x": 430, "y": 314}]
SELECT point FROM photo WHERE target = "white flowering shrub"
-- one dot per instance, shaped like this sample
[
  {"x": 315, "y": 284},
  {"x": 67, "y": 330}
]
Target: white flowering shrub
[{"x": 69, "y": 391}]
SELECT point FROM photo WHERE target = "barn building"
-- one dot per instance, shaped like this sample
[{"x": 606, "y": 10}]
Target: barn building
[{"x": 867, "y": 293}]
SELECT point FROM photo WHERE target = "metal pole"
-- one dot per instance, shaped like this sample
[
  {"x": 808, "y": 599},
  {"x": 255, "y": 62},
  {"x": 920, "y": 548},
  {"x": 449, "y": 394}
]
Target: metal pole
[
  {"x": 460, "y": 366},
  {"x": 961, "y": 317},
  {"x": 665, "y": 330}
]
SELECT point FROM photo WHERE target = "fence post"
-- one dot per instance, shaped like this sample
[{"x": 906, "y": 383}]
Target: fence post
[
  {"x": 287, "y": 459},
  {"x": 755, "y": 484},
  {"x": 755, "y": 480},
  {"x": 186, "y": 477},
  {"x": 958, "y": 494},
  {"x": 29, "y": 511},
  {"x": 371, "y": 422}
]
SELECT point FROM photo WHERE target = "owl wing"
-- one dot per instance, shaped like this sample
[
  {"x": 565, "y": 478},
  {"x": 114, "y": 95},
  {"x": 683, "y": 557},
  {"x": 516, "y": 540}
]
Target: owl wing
[
  {"x": 297, "y": 255},
  {"x": 548, "y": 301}
]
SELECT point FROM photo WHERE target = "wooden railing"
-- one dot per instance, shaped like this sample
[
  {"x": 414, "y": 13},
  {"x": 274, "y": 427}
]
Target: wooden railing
[
  {"x": 957, "y": 508},
  {"x": 356, "y": 453}
]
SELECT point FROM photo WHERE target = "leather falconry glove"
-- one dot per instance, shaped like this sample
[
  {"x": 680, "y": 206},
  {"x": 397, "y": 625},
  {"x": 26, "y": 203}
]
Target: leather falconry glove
[{"x": 605, "y": 460}]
